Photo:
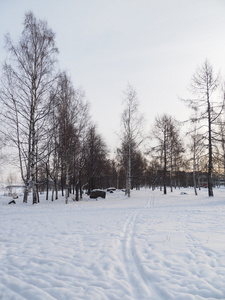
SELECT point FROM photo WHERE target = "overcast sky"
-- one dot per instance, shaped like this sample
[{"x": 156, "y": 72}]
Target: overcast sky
[{"x": 155, "y": 45}]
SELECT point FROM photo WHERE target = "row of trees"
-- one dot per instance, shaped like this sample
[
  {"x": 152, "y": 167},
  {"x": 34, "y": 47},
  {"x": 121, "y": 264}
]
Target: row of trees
[{"x": 47, "y": 120}]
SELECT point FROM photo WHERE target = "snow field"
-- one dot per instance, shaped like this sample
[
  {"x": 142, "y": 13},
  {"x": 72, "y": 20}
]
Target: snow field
[{"x": 151, "y": 246}]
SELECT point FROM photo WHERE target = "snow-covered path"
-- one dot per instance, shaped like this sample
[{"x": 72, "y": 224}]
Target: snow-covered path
[{"x": 148, "y": 247}]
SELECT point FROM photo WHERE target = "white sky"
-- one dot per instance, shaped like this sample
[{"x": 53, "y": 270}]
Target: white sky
[{"x": 155, "y": 45}]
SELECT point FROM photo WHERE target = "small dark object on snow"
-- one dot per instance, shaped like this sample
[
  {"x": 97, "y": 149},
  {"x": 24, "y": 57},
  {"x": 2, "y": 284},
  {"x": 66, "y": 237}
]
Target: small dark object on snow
[
  {"x": 183, "y": 193},
  {"x": 111, "y": 191},
  {"x": 12, "y": 202},
  {"x": 97, "y": 193}
]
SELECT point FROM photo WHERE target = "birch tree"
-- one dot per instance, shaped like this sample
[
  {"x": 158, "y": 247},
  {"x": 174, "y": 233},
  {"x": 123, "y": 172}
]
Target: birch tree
[
  {"x": 131, "y": 130},
  {"x": 28, "y": 76},
  {"x": 71, "y": 116}
]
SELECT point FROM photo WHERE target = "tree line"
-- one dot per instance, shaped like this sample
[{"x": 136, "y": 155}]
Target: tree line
[{"x": 47, "y": 120}]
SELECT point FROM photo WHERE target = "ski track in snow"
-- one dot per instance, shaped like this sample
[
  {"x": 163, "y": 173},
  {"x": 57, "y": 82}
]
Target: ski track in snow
[{"x": 137, "y": 277}]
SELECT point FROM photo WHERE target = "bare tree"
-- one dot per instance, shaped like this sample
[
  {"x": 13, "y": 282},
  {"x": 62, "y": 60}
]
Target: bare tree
[
  {"x": 95, "y": 153},
  {"x": 25, "y": 94},
  {"x": 204, "y": 84},
  {"x": 71, "y": 116},
  {"x": 196, "y": 147},
  {"x": 132, "y": 122},
  {"x": 168, "y": 146},
  {"x": 161, "y": 132}
]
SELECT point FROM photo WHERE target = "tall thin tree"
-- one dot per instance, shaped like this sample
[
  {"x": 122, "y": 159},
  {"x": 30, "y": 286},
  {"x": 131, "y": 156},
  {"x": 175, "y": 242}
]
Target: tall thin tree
[
  {"x": 132, "y": 122},
  {"x": 204, "y": 84}
]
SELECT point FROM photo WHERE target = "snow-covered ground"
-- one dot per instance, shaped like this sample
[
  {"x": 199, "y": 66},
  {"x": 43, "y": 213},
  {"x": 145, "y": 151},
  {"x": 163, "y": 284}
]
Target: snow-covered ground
[{"x": 150, "y": 246}]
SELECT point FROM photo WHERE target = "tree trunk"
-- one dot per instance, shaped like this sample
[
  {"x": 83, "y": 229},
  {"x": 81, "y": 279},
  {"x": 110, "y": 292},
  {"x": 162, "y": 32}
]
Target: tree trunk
[
  {"x": 210, "y": 184},
  {"x": 129, "y": 170},
  {"x": 56, "y": 188},
  {"x": 53, "y": 193},
  {"x": 26, "y": 191},
  {"x": 194, "y": 166},
  {"x": 67, "y": 183},
  {"x": 77, "y": 192},
  {"x": 62, "y": 183},
  {"x": 194, "y": 180},
  {"x": 165, "y": 166},
  {"x": 47, "y": 181}
]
